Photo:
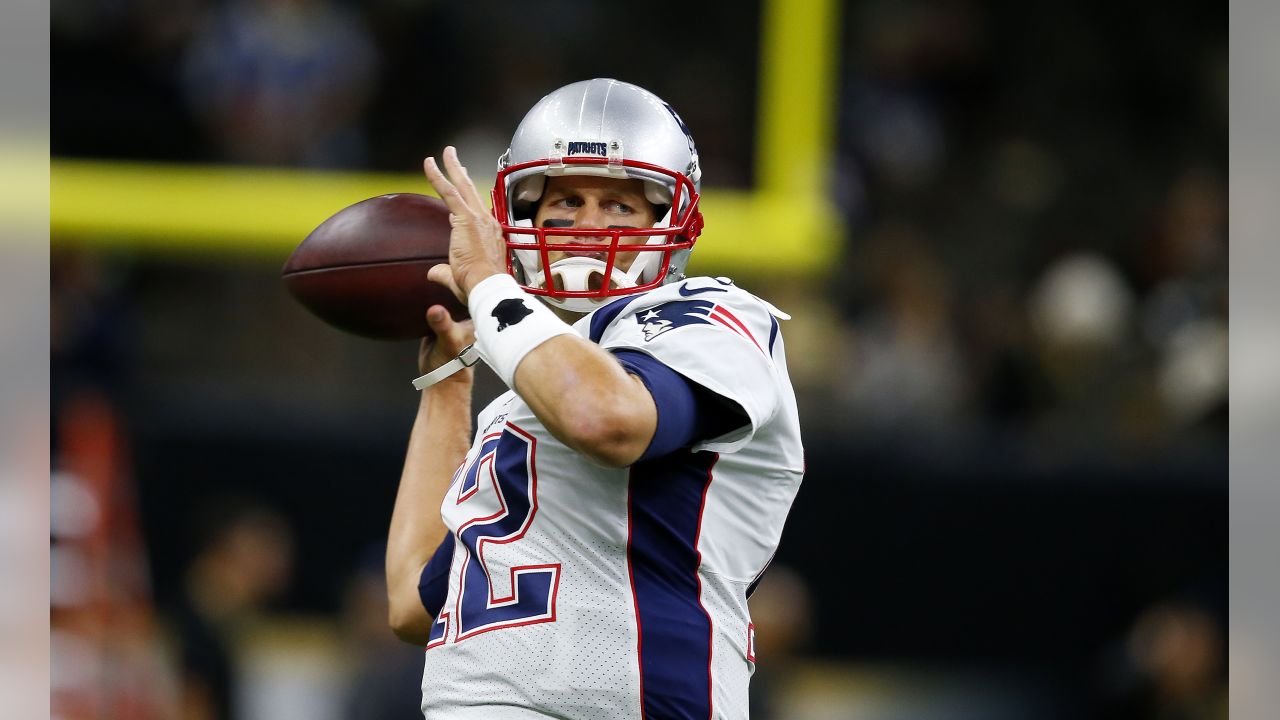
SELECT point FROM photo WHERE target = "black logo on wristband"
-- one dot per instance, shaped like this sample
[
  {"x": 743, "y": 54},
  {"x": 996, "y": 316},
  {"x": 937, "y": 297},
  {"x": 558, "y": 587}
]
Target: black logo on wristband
[{"x": 509, "y": 312}]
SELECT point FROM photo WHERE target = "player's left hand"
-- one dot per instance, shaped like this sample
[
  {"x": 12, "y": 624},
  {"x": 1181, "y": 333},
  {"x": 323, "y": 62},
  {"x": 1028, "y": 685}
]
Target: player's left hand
[
  {"x": 449, "y": 338},
  {"x": 476, "y": 246}
]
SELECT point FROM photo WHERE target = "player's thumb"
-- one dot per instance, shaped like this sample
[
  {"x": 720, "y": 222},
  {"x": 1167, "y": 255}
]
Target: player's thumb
[{"x": 442, "y": 274}]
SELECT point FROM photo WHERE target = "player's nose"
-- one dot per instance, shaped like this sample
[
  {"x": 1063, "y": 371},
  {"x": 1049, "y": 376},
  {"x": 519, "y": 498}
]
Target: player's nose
[{"x": 591, "y": 216}]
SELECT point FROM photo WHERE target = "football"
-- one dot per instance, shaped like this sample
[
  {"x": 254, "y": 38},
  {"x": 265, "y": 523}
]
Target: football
[{"x": 364, "y": 270}]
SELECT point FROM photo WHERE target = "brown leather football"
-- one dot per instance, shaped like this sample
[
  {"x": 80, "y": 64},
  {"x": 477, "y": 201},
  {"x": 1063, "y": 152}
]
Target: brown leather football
[{"x": 364, "y": 270}]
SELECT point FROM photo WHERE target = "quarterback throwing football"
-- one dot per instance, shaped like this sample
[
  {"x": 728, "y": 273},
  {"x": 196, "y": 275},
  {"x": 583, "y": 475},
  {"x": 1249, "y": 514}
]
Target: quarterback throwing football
[{"x": 588, "y": 551}]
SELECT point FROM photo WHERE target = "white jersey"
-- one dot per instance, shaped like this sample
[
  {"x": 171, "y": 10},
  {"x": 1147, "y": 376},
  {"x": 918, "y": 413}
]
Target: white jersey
[{"x": 579, "y": 591}]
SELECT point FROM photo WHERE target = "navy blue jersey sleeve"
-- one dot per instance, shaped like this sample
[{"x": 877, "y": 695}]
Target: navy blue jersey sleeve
[
  {"x": 688, "y": 413},
  {"x": 433, "y": 584}
]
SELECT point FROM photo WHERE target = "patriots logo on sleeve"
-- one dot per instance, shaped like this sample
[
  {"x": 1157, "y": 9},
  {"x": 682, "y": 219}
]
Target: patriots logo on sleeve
[{"x": 668, "y": 316}]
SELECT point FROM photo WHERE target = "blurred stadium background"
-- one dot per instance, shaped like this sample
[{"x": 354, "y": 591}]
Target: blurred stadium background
[{"x": 1000, "y": 227}]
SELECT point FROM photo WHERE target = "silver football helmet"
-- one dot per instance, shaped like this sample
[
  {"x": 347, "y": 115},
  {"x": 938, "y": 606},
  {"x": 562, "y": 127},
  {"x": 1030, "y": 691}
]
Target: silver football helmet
[{"x": 612, "y": 129}]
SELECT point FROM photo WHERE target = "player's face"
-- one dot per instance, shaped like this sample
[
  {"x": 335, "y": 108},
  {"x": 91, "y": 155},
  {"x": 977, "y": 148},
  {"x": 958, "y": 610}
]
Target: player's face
[{"x": 588, "y": 201}]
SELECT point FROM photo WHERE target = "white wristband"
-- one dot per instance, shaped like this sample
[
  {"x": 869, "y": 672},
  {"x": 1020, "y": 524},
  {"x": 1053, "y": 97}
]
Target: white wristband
[{"x": 509, "y": 324}]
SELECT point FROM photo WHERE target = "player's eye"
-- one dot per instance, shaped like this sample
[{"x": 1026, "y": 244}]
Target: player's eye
[{"x": 620, "y": 207}]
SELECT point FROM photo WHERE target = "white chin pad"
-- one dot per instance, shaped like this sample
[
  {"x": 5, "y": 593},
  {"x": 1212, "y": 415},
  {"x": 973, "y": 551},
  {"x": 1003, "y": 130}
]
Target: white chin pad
[{"x": 579, "y": 274}]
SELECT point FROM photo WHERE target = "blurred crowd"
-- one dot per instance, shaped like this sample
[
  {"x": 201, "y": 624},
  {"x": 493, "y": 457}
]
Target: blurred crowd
[
  {"x": 1034, "y": 270},
  {"x": 1037, "y": 200},
  {"x": 326, "y": 83}
]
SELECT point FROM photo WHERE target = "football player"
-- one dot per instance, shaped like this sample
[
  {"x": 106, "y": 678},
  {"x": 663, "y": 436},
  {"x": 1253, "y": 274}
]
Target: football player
[{"x": 589, "y": 550}]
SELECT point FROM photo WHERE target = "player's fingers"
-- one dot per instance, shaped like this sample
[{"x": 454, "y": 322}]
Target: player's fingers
[
  {"x": 448, "y": 193},
  {"x": 462, "y": 180}
]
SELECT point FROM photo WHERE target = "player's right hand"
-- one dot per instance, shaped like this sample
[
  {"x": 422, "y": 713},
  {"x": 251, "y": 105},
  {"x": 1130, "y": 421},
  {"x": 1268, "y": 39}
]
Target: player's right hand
[{"x": 450, "y": 339}]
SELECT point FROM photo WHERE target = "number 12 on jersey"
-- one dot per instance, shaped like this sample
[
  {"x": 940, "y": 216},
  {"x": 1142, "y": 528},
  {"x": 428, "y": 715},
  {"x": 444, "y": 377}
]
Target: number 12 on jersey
[{"x": 502, "y": 472}]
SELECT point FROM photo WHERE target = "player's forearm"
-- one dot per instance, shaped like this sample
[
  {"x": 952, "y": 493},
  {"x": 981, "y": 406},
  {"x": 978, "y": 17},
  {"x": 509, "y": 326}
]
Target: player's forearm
[
  {"x": 584, "y": 397},
  {"x": 437, "y": 445}
]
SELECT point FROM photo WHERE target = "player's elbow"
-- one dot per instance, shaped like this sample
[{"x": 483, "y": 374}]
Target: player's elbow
[
  {"x": 611, "y": 439},
  {"x": 409, "y": 621}
]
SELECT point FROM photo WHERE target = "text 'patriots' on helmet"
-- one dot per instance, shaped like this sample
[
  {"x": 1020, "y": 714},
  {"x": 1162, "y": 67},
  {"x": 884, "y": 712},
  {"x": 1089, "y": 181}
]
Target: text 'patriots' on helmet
[{"x": 609, "y": 129}]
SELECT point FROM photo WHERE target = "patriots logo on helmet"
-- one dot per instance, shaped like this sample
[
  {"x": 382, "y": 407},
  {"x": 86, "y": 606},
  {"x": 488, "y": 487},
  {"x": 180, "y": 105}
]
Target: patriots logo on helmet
[
  {"x": 588, "y": 148},
  {"x": 668, "y": 316}
]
